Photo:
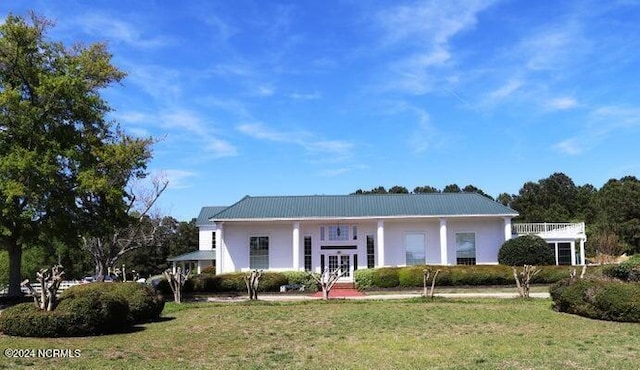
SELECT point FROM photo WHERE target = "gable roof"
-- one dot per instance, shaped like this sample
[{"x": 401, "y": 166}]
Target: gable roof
[
  {"x": 194, "y": 256},
  {"x": 206, "y": 213},
  {"x": 363, "y": 206}
]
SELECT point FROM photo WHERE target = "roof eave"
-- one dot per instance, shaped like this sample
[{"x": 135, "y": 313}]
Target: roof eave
[{"x": 395, "y": 217}]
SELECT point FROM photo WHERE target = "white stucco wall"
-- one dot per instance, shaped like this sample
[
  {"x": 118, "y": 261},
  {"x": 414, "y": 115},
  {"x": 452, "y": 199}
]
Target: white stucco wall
[
  {"x": 489, "y": 236},
  {"x": 205, "y": 237}
]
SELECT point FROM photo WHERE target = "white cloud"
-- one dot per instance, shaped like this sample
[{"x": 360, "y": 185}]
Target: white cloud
[
  {"x": 188, "y": 125},
  {"x": 601, "y": 124},
  {"x": 305, "y": 139},
  {"x": 178, "y": 179},
  {"x": 570, "y": 146},
  {"x": 505, "y": 90},
  {"x": 563, "y": 103},
  {"x": 302, "y": 96},
  {"x": 421, "y": 34},
  {"x": 553, "y": 48},
  {"x": 117, "y": 30}
]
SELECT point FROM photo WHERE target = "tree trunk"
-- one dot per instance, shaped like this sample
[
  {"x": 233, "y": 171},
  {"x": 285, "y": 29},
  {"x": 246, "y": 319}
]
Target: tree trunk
[
  {"x": 15, "y": 267},
  {"x": 101, "y": 270}
]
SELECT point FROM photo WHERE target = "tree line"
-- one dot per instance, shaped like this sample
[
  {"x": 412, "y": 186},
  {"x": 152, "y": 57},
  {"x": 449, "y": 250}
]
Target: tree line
[{"x": 611, "y": 213}]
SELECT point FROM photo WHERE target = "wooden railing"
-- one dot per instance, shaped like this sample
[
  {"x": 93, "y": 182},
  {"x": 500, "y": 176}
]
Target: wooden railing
[{"x": 563, "y": 228}]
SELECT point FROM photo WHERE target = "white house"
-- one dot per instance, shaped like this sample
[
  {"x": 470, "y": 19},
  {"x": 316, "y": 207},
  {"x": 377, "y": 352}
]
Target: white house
[{"x": 311, "y": 233}]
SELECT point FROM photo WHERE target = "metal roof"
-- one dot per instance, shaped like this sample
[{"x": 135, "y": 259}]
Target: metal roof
[
  {"x": 206, "y": 213},
  {"x": 195, "y": 256},
  {"x": 363, "y": 206}
]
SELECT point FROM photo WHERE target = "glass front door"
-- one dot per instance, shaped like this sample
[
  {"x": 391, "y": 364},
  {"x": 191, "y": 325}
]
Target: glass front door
[{"x": 341, "y": 262}]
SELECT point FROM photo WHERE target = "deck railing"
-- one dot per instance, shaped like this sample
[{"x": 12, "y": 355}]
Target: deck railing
[{"x": 564, "y": 228}]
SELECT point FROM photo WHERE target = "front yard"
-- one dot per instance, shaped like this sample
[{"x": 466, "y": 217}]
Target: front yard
[{"x": 416, "y": 333}]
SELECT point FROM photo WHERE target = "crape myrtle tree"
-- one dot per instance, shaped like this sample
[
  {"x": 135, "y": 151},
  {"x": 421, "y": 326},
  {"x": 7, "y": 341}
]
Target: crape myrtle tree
[{"x": 62, "y": 164}]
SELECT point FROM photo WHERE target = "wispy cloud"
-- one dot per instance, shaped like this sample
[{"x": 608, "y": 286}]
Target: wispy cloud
[
  {"x": 187, "y": 124},
  {"x": 602, "y": 122},
  {"x": 119, "y": 31},
  {"x": 305, "y": 96},
  {"x": 421, "y": 34},
  {"x": 178, "y": 179},
  {"x": 305, "y": 139},
  {"x": 505, "y": 90},
  {"x": 553, "y": 47},
  {"x": 563, "y": 103}
]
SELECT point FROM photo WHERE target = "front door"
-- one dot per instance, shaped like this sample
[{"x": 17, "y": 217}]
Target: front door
[{"x": 343, "y": 262}]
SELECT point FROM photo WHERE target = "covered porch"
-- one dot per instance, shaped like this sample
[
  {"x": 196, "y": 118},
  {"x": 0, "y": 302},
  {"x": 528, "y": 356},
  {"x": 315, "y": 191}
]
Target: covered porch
[
  {"x": 561, "y": 236},
  {"x": 194, "y": 261}
]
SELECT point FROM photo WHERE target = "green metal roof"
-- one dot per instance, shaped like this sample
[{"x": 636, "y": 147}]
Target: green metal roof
[
  {"x": 356, "y": 206},
  {"x": 194, "y": 256},
  {"x": 206, "y": 213}
]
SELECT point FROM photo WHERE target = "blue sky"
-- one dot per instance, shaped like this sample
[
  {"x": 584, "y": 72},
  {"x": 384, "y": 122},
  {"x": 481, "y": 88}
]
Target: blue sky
[{"x": 325, "y": 97}]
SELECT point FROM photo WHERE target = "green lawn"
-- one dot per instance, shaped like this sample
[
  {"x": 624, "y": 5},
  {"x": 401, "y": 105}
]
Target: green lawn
[{"x": 456, "y": 334}]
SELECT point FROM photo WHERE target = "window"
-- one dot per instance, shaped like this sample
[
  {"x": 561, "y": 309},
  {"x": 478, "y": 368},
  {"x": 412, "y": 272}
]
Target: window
[
  {"x": 414, "y": 247},
  {"x": 213, "y": 240},
  {"x": 465, "y": 248},
  {"x": 564, "y": 253},
  {"x": 259, "y": 252},
  {"x": 338, "y": 233},
  {"x": 307, "y": 253},
  {"x": 371, "y": 257}
]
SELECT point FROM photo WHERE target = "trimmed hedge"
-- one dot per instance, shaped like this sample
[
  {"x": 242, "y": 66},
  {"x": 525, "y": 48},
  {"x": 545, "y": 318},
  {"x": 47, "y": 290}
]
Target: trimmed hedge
[
  {"x": 145, "y": 304},
  {"x": 526, "y": 250},
  {"x": 94, "y": 313},
  {"x": 412, "y": 276},
  {"x": 234, "y": 282},
  {"x": 610, "y": 300}
]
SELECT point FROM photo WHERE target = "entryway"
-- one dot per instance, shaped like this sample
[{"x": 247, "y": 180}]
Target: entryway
[{"x": 339, "y": 260}]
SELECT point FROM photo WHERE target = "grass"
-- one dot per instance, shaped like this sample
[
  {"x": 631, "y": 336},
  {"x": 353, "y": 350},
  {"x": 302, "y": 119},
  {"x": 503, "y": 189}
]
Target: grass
[{"x": 412, "y": 334}]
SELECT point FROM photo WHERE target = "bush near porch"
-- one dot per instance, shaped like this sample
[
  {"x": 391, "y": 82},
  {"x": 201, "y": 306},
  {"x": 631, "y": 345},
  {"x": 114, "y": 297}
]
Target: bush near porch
[
  {"x": 477, "y": 275},
  {"x": 388, "y": 277}
]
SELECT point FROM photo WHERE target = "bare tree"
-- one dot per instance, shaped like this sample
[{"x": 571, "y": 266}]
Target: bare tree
[
  {"x": 176, "y": 282},
  {"x": 523, "y": 279},
  {"x": 607, "y": 246},
  {"x": 426, "y": 273},
  {"x": 252, "y": 280},
  {"x": 49, "y": 285},
  {"x": 140, "y": 232},
  {"x": 328, "y": 279}
]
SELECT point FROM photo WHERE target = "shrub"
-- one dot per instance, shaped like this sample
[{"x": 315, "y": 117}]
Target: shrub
[
  {"x": 144, "y": 302},
  {"x": 93, "y": 313},
  {"x": 234, "y": 282},
  {"x": 301, "y": 278},
  {"x": 623, "y": 270},
  {"x": 386, "y": 277},
  {"x": 208, "y": 270},
  {"x": 598, "y": 299},
  {"x": 412, "y": 276},
  {"x": 363, "y": 278},
  {"x": 526, "y": 250}
]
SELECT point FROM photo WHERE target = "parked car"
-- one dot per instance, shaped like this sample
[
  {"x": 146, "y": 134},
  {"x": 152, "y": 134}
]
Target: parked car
[{"x": 91, "y": 279}]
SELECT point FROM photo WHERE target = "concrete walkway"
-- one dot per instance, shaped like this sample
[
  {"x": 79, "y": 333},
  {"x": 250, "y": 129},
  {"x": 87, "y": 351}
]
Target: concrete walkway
[{"x": 373, "y": 296}]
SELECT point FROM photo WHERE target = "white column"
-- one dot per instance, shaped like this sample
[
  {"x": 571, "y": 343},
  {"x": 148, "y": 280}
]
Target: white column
[
  {"x": 573, "y": 253},
  {"x": 507, "y": 228},
  {"x": 444, "y": 260},
  {"x": 380, "y": 243},
  {"x": 296, "y": 245},
  {"x": 219, "y": 247},
  {"x": 582, "y": 260}
]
